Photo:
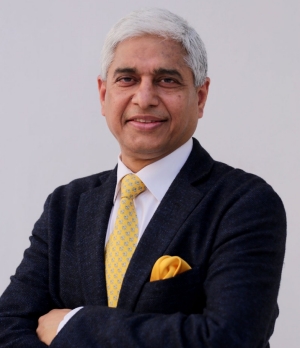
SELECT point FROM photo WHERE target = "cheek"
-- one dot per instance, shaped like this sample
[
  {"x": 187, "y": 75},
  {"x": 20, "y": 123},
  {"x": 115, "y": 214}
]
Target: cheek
[
  {"x": 179, "y": 108},
  {"x": 174, "y": 102},
  {"x": 116, "y": 103},
  {"x": 183, "y": 109},
  {"x": 113, "y": 126},
  {"x": 114, "y": 116}
]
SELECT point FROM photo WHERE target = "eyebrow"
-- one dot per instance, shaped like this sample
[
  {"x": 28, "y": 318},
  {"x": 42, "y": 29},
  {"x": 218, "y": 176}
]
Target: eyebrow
[
  {"x": 160, "y": 71},
  {"x": 171, "y": 72},
  {"x": 124, "y": 71}
]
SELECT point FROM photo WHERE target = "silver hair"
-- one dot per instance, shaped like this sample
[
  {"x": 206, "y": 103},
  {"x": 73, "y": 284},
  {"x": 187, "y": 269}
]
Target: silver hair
[{"x": 160, "y": 22}]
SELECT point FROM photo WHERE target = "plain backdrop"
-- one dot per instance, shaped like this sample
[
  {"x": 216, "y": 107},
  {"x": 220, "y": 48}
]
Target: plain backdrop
[{"x": 52, "y": 130}]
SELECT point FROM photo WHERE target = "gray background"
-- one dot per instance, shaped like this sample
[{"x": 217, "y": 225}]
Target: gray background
[{"x": 52, "y": 131}]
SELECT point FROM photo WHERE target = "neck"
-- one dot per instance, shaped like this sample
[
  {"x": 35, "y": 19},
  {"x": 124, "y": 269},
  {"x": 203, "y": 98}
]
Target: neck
[{"x": 135, "y": 165}]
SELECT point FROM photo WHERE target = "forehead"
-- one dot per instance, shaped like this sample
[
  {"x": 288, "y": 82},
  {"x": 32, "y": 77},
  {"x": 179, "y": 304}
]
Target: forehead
[{"x": 149, "y": 53}]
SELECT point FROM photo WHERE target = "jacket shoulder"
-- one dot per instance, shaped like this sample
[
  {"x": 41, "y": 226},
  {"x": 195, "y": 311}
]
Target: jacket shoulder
[
  {"x": 85, "y": 183},
  {"x": 71, "y": 192},
  {"x": 233, "y": 185}
]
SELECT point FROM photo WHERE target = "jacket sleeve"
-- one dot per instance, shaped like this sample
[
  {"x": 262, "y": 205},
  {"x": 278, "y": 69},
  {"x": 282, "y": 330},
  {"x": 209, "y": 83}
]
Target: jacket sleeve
[
  {"x": 27, "y": 296},
  {"x": 241, "y": 289}
]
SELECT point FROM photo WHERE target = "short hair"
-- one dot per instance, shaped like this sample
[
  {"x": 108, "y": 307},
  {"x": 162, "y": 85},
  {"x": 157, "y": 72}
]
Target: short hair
[{"x": 160, "y": 22}]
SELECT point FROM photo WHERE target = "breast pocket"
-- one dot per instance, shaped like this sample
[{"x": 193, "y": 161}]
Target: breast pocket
[{"x": 183, "y": 293}]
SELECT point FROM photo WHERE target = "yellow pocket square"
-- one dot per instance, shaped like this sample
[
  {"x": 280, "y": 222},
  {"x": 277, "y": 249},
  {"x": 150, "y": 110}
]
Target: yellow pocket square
[{"x": 168, "y": 267}]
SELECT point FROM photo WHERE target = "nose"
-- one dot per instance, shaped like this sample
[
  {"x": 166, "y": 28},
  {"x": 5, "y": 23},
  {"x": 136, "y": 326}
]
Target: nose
[{"x": 145, "y": 95}]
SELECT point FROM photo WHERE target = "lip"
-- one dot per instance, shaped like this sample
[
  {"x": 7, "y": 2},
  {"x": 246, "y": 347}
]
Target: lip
[{"x": 145, "y": 122}]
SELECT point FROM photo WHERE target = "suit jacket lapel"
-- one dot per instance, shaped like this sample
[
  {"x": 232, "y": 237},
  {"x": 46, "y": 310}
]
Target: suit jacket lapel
[
  {"x": 93, "y": 216},
  {"x": 181, "y": 198}
]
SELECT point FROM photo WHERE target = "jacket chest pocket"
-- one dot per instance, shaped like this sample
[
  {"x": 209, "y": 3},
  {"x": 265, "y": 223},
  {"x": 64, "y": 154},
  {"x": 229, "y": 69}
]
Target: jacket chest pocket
[{"x": 183, "y": 293}]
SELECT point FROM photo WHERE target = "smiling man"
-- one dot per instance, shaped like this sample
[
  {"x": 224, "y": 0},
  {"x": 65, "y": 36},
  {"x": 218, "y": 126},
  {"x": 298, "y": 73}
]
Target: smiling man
[
  {"x": 169, "y": 249},
  {"x": 150, "y": 100}
]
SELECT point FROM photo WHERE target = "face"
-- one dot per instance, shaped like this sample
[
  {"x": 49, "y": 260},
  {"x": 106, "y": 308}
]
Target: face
[{"x": 149, "y": 99}]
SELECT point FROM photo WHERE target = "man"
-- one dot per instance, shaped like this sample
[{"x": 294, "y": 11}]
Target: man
[{"x": 222, "y": 229}]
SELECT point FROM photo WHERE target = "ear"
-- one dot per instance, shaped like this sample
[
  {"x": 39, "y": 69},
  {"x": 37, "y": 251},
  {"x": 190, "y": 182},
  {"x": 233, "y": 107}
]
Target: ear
[
  {"x": 102, "y": 94},
  {"x": 202, "y": 92}
]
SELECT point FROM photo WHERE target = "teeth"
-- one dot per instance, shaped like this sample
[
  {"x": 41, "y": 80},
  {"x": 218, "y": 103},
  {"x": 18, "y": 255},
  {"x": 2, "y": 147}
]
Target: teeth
[{"x": 144, "y": 121}]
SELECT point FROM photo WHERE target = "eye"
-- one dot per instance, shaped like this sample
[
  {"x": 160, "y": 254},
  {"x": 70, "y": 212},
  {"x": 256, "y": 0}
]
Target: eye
[
  {"x": 168, "y": 80},
  {"x": 125, "y": 80}
]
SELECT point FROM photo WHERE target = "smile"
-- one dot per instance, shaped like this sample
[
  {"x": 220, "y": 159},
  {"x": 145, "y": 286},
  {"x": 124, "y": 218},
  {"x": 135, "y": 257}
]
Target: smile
[{"x": 145, "y": 121}]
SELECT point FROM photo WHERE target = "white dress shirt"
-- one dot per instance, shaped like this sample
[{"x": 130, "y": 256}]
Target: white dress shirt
[{"x": 157, "y": 177}]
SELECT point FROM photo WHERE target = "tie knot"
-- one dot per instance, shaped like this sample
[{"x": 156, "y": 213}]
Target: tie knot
[{"x": 131, "y": 186}]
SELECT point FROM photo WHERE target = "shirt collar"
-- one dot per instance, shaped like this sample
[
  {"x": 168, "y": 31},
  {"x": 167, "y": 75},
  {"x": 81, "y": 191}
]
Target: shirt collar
[{"x": 159, "y": 175}]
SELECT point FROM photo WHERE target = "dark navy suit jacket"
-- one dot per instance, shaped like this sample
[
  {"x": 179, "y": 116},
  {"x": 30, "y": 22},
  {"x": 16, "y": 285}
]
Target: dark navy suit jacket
[{"x": 228, "y": 225}]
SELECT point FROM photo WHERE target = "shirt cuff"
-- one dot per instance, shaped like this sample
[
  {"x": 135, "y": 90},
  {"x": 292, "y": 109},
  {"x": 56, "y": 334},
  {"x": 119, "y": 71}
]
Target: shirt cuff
[{"x": 67, "y": 317}]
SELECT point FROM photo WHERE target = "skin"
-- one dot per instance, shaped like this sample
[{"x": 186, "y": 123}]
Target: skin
[
  {"x": 48, "y": 324},
  {"x": 151, "y": 107},
  {"x": 149, "y": 80}
]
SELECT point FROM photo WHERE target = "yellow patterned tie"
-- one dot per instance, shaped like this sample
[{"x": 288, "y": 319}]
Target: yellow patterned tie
[{"x": 123, "y": 240}]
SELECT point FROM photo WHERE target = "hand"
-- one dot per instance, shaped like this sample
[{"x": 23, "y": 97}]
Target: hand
[{"x": 48, "y": 324}]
